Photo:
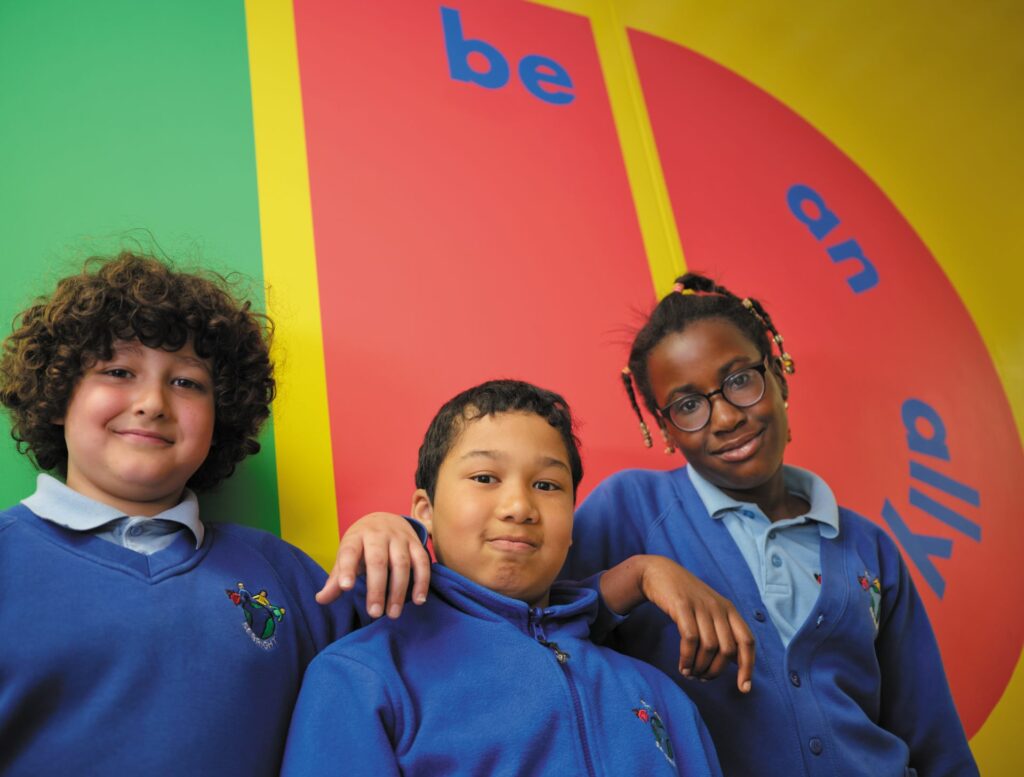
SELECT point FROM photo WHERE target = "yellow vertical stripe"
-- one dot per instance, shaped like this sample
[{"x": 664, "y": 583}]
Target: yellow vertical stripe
[
  {"x": 636, "y": 138},
  {"x": 305, "y": 472}
]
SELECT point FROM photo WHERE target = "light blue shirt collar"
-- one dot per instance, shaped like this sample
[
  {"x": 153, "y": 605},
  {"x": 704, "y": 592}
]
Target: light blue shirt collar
[
  {"x": 804, "y": 483},
  {"x": 65, "y": 507}
]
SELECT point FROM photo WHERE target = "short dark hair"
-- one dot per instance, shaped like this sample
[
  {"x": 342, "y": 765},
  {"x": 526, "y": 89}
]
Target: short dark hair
[
  {"x": 491, "y": 398},
  {"x": 137, "y": 297},
  {"x": 697, "y": 298}
]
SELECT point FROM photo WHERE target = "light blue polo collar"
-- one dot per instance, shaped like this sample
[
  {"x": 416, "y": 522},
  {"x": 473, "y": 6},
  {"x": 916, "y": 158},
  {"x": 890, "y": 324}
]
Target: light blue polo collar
[
  {"x": 65, "y": 507},
  {"x": 824, "y": 509}
]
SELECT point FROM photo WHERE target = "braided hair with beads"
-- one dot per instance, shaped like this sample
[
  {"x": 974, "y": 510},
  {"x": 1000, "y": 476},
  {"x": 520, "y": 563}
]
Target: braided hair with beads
[{"x": 696, "y": 298}]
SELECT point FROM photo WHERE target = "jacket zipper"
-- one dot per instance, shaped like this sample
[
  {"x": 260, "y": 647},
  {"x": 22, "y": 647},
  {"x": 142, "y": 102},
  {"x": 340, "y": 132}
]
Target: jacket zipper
[{"x": 537, "y": 630}]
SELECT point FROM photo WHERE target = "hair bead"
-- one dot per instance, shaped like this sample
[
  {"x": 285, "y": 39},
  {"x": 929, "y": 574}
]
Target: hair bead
[
  {"x": 698, "y": 298},
  {"x": 670, "y": 447},
  {"x": 627, "y": 381}
]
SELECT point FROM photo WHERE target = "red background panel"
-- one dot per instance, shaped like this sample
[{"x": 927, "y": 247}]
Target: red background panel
[
  {"x": 730, "y": 154},
  {"x": 462, "y": 233}
]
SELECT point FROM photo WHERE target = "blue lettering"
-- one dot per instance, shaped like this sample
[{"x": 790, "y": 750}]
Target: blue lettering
[
  {"x": 535, "y": 70},
  {"x": 945, "y": 484},
  {"x": 935, "y": 445},
  {"x": 920, "y": 548},
  {"x": 867, "y": 277},
  {"x": 819, "y": 225},
  {"x": 945, "y": 514},
  {"x": 459, "y": 48},
  {"x": 542, "y": 77}
]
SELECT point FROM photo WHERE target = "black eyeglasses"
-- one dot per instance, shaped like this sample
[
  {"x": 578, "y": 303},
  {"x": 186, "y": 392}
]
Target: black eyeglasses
[{"x": 742, "y": 388}]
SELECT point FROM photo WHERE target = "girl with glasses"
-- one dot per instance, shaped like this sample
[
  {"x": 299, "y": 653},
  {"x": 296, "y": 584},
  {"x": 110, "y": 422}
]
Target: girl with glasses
[{"x": 847, "y": 678}]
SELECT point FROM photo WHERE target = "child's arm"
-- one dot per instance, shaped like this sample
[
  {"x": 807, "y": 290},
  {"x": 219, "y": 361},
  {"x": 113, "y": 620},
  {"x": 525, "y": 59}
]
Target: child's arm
[
  {"x": 343, "y": 722},
  {"x": 712, "y": 632},
  {"x": 915, "y": 700},
  {"x": 383, "y": 545}
]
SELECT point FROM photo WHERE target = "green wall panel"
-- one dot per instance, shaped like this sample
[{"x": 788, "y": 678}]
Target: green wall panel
[{"x": 128, "y": 124}]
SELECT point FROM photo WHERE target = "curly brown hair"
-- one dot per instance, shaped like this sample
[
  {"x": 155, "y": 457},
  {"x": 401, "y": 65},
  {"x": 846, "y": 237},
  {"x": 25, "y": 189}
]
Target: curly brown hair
[{"x": 137, "y": 297}]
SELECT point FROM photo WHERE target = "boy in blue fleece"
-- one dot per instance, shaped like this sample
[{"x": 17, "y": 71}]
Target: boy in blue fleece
[
  {"x": 139, "y": 639},
  {"x": 495, "y": 674}
]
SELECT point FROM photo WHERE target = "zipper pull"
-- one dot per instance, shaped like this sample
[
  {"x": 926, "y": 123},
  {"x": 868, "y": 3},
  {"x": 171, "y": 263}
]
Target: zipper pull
[{"x": 560, "y": 654}]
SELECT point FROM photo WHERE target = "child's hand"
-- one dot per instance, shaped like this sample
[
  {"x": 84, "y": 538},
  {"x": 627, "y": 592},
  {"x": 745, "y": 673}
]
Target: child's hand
[
  {"x": 712, "y": 632},
  {"x": 383, "y": 545}
]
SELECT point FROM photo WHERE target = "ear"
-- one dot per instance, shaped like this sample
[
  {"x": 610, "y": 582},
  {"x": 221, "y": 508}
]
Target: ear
[{"x": 422, "y": 510}]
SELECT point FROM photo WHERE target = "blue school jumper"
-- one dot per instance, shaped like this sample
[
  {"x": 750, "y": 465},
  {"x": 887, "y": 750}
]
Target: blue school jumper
[
  {"x": 475, "y": 683},
  {"x": 183, "y": 662},
  {"x": 860, "y": 690}
]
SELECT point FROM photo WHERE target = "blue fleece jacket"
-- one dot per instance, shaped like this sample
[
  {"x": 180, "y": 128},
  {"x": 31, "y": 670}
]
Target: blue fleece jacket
[
  {"x": 183, "y": 662},
  {"x": 860, "y": 690},
  {"x": 475, "y": 683}
]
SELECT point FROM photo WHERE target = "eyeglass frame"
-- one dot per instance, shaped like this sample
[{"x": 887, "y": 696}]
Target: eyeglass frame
[{"x": 761, "y": 369}]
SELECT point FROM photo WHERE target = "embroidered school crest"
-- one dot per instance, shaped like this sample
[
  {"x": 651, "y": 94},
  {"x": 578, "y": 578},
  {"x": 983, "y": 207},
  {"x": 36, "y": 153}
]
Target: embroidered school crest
[
  {"x": 645, "y": 713},
  {"x": 871, "y": 584},
  {"x": 261, "y": 617}
]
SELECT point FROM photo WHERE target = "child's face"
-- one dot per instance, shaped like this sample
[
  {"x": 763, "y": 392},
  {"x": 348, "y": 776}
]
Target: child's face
[
  {"x": 503, "y": 505},
  {"x": 740, "y": 448},
  {"x": 138, "y": 427}
]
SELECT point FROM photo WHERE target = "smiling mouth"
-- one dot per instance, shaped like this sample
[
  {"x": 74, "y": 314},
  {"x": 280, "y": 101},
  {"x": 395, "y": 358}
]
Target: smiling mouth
[
  {"x": 741, "y": 450},
  {"x": 513, "y": 544},
  {"x": 144, "y": 437}
]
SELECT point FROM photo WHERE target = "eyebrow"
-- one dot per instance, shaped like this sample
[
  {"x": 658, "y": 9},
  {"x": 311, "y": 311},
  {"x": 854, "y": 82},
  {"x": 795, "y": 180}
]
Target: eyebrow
[
  {"x": 194, "y": 361},
  {"x": 733, "y": 365},
  {"x": 547, "y": 461},
  {"x": 136, "y": 350}
]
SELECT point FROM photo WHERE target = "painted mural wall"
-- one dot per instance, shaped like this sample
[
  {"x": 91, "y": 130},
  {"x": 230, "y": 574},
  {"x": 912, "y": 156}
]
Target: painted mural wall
[{"x": 429, "y": 194}]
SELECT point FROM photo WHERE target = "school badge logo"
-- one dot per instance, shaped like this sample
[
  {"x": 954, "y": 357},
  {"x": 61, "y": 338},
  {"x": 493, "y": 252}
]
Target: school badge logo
[
  {"x": 873, "y": 587},
  {"x": 261, "y": 617},
  {"x": 645, "y": 713}
]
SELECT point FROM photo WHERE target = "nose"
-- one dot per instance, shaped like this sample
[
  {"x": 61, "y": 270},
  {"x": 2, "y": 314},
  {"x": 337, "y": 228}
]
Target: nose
[
  {"x": 150, "y": 399},
  {"x": 725, "y": 416},
  {"x": 517, "y": 504}
]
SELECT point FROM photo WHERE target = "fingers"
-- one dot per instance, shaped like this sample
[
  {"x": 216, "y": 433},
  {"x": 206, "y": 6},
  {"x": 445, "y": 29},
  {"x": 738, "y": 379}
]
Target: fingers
[
  {"x": 726, "y": 645},
  {"x": 713, "y": 634},
  {"x": 420, "y": 572},
  {"x": 376, "y": 555},
  {"x": 329, "y": 592},
  {"x": 745, "y": 650},
  {"x": 689, "y": 640},
  {"x": 385, "y": 548},
  {"x": 707, "y": 650},
  {"x": 398, "y": 582},
  {"x": 407, "y": 560},
  {"x": 343, "y": 574}
]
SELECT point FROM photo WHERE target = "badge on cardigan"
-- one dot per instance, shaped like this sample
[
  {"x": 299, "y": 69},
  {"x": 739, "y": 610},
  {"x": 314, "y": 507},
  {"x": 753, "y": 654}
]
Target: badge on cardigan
[
  {"x": 873, "y": 587},
  {"x": 261, "y": 617},
  {"x": 645, "y": 713}
]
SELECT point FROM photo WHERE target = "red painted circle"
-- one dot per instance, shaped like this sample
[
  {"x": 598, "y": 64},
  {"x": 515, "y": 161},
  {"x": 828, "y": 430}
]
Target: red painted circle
[{"x": 730, "y": 153}]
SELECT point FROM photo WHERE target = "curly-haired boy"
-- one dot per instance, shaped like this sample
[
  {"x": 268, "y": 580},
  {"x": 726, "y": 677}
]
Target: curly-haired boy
[{"x": 139, "y": 638}]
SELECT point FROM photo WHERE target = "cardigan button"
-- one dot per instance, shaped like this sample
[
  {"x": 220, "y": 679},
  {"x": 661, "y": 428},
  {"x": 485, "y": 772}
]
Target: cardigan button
[
  {"x": 794, "y": 678},
  {"x": 759, "y": 616},
  {"x": 816, "y": 746}
]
